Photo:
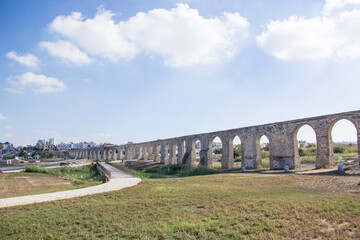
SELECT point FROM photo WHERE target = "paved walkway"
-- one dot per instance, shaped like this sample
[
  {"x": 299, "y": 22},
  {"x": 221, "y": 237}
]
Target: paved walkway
[{"x": 119, "y": 180}]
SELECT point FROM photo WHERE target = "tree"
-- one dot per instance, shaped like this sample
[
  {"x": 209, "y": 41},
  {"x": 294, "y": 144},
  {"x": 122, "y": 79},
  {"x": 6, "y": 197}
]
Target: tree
[
  {"x": 266, "y": 147},
  {"x": 310, "y": 145},
  {"x": 339, "y": 149},
  {"x": 218, "y": 151},
  {"x": 237, "y": 153}
]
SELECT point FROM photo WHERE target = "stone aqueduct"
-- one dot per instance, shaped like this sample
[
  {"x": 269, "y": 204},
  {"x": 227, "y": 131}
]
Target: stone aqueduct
[{"x": 282, "y": 141}]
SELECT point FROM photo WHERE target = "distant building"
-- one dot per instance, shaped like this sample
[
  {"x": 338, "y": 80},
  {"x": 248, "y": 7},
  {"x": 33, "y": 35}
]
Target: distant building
[
  {"x": 302, "y": 144},
  {"x": 6, "y": 147},
  {"x": 108, "y": 145},
  {"x": 51, "y": 141},
  {"x": 217, "y": 144},
  {"x": 46, "y": 145}
]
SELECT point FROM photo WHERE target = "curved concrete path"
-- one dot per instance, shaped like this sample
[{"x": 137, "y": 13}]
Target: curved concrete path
[{"x": 119, "y": 180}]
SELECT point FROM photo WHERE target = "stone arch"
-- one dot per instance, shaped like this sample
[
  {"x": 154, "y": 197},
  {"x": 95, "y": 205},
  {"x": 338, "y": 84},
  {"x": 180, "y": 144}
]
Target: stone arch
[
  {"x": 182, "y": 151},
  {"x": 167, "y": 150},
  {"x": 258, "y": 148},
  {"x": 157, "y": 152},
  {"x": 195, "y": 151},
  {"x": 214, "y": 157},
  {"x": 133, "y": 152},
  {"x": 101, "y": 154},
  {"x": 347, "y": 121},
  {"x": 151, "y": 151},
  {"x": 297, "y": 158},
  {"x": 145, "y": 152},
  {"x": 164, "y": 152},
  {"x": 139, "y": 153},
  {"x": 173, "y": 153},
  {"x": 234, "y": 143},
  {"x": 109, "y": 153}
]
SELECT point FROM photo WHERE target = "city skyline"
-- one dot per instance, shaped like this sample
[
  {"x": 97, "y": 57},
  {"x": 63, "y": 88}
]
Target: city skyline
[{"x": 112, "y": 71}]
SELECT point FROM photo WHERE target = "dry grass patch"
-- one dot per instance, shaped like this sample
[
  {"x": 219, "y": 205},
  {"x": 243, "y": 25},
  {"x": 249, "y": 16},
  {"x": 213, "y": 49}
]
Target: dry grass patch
[
  {"x": 20, "y": 184},
  {"x": 47, "y": 180}
]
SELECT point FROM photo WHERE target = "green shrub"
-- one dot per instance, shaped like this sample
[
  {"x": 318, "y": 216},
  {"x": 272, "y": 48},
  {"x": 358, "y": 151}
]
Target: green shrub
[
  {"x": 311, "y": 145},
  {"x": 34, "y": 168},
  {"x": 237, "y": 153},
  {"x": 339, "y": 149},
  {"x": 265, "y": 154},
  {"x": 301, "y": 152},
  {"x": 218, "y": 151},
  {"x": 307, "y": 151}
]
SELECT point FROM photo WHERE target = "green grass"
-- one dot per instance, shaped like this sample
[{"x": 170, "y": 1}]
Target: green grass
[
  {"x": 79, "y": 175},
  {"x": 165, "y": 171},
  {"x": 307, "y": 159},
  {"x": 265, "y": 163},
  {"x": 232, "y": 206}
]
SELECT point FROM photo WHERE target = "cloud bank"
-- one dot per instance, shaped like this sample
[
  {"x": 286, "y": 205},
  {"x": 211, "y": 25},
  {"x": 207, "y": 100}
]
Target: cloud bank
[{"x": 181, "y": 36}]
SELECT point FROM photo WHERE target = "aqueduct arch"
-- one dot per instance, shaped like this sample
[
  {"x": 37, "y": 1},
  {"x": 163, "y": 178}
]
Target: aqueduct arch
[{"x": 281, "y": 135}]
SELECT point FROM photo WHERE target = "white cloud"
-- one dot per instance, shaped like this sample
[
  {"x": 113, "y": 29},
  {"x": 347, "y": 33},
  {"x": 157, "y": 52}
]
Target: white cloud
[
  {"x": 2, "y": 117},
  {"x": 27, "y": 59},
  {"x": 333, "y": 5},
  {"x": 7, "y": 127},
  {"x": 331, "y": 36},
  {"x": 37, "y": 83},
  {"x": 8, "y": 135},
  {"x": 66, "y": 51},
  {"x": 184, "y": 38},
  {"x": 99, "y": 36},
  {"x": 181, "y": 36}
]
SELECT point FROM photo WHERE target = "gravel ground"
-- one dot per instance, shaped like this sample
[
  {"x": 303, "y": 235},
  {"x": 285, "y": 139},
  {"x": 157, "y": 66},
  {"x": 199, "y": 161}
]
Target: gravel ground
[{"x": 330, "y": 180}]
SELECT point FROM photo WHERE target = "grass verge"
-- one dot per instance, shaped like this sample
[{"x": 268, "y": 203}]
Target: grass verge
[
  {"x": 79, "y": 175},
  {"x": 166, "y": 171}
]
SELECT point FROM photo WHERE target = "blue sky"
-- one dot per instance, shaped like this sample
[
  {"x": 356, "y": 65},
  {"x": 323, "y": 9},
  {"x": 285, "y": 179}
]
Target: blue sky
[{"x": 118, "y": 71}]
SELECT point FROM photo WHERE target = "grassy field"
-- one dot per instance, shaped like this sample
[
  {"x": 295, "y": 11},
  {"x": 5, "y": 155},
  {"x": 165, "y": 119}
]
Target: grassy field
[
  {"x": 39, "y": 180},
  {"x": 219, "y": 206}
]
